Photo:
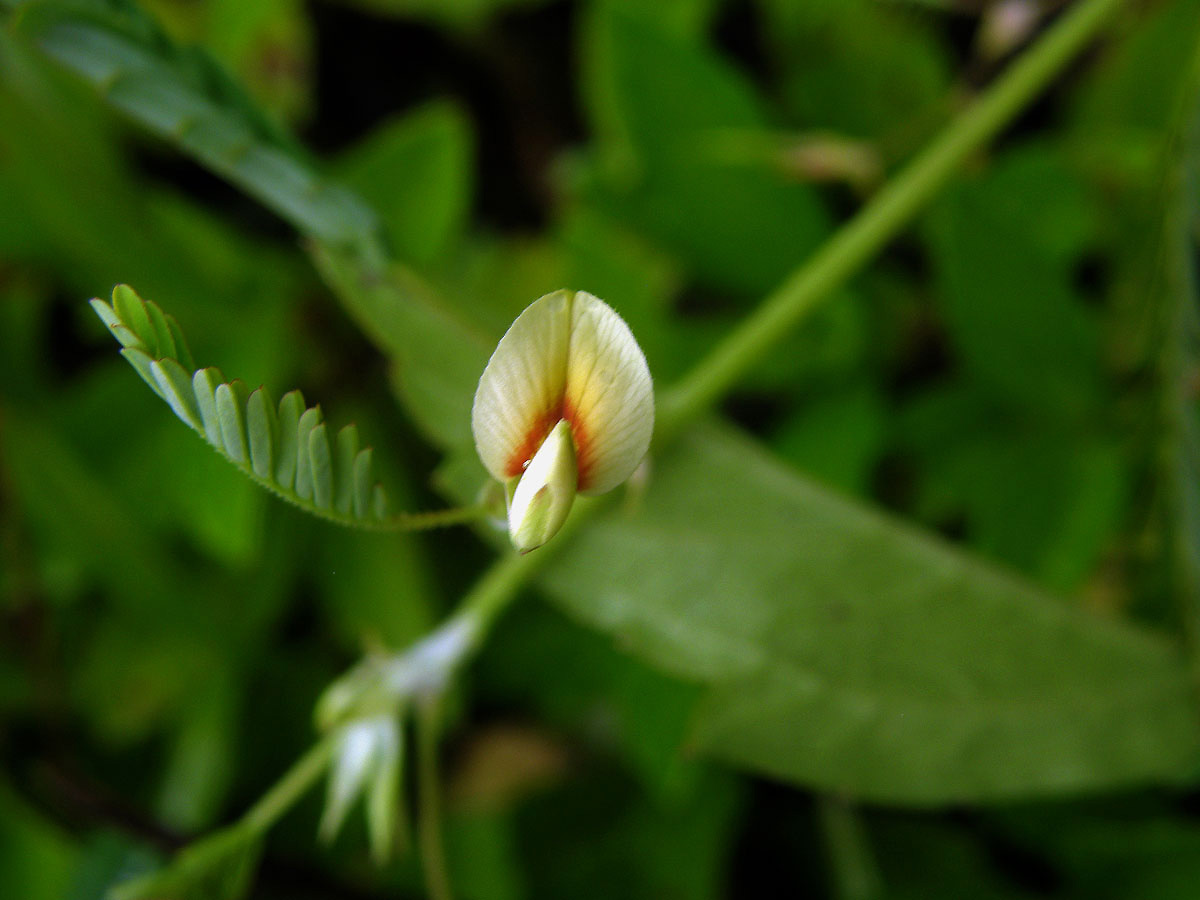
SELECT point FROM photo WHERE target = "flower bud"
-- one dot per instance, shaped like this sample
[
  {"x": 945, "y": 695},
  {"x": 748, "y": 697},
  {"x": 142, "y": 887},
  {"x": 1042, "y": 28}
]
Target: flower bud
[{"x": 543, "y": 495}]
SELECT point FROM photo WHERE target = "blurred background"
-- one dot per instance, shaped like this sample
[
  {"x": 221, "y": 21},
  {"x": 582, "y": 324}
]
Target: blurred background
[{"x": 997, "y": 376}]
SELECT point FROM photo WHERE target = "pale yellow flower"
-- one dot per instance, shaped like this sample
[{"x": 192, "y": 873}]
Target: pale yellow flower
[{"x": 565, "y": 405}]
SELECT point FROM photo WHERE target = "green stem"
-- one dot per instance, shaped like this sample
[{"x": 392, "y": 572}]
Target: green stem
[
  {"x": 437, "y": 518},
  {"x": 429, "y": 801},
  {"x": 852, "y": 868},
  {"x": 1178, "y": 361},
  {"x": 500, "y": 583},
  {"x": 859, "y": 240},
  {"x": 283, "y": 795}
]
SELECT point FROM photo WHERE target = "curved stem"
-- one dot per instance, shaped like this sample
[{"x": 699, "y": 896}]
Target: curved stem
[
  {"x": 860, "y": 239},
  {"x": 853, "y": 873},
  {"x": 429, "y": 801},
  {"x": 288, "y": 789},
  {"x": 435, "y": 518}
]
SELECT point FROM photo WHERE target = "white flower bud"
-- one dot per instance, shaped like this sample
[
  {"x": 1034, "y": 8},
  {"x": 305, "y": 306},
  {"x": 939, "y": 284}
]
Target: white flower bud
[{"x": 543, "y": 495}]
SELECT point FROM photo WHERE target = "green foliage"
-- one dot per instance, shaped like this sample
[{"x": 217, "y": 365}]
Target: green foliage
[
  {"x": 185, "y": 98},
  {"x": 416, "y": 171},
  {"x": 916, "y": 676},
  {"x": 220, "y": 867},
  {"x": 663, "y": 155},
  {"x": 1014, "y": 385},
  {"x": 285, "y": 449}
]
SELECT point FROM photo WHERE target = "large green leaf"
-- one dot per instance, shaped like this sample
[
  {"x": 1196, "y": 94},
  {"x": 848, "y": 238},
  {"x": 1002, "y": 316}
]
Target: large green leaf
[{"x": 849, "y": 651}]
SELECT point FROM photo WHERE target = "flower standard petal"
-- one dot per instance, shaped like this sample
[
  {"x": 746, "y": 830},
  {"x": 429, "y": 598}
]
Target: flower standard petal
[
  {"x": 609, "y": 395},
  {"x": 520, "y": 393}
]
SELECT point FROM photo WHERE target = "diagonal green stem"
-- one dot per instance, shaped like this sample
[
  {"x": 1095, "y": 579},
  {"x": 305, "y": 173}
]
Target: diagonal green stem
[
  {"x": 870, "y": 230},
  {"x": 852, "y": 874},
  {"x": 290, "y": 788},
  {"x": 429, "y": 800}
]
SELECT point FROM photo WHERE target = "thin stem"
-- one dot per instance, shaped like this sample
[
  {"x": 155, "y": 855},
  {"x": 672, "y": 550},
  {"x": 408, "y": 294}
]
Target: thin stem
[
  {"x": 429, "y": 801},
  {"x": 859, "y": 240},
  {"x": 500, "y": 583},
  {"x": 1179, "y": 331},
  {"x": 852, "y": 868},
  {"x": 436, "y": 518},
  {"x": 288, "y": 789}
]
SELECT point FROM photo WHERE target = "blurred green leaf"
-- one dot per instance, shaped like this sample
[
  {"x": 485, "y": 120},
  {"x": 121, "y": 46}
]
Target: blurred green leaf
[
  {"x": 375, "y": 588},
  {"x": 1178, "y": 327},
  {"x": 484, "y": 853},
  {"x": 577, "y": 680},
  {"x": 683, "y": 18},
  {"x": 70, "y": 505},
  {"x": 466, "y": 14},
  {"x": 417, "y": 172},
  {"x": 200, "y": 765},
  {"x": 182, "y": 96},
  {"x": 268, "y": 43},
  {"x": 837, "y": 438},
  {"x": 438, "y": 351},
  {"x": 1014, "y": 317},
  {"x": 1107, "y": 850},
  {"x": 661, "y": 108},
  {"x": 597, "y": 838},
  {"x": 847, "y": 652},
  {"x": 36, "y": 857},
  {"x": 859, "y": 67},
  {"x": 107, "y": 858}
]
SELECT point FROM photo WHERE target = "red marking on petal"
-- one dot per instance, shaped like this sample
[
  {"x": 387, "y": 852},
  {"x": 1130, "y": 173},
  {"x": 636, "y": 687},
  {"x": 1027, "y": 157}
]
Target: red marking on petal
[
  {"x": 536, "y": 436},
  {"x": 583, "y": 446},
  {"x": 521, "y": 456}
]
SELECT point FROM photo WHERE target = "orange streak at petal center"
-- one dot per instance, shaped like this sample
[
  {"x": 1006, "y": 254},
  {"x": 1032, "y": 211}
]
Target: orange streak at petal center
[{"x": 536, "y": 436}]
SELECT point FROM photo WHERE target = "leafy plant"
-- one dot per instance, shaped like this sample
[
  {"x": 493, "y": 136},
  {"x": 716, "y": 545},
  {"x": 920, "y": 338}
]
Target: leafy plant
[
  {"x": 285, "y": 449},
  {"x": 739, "y": 617}
]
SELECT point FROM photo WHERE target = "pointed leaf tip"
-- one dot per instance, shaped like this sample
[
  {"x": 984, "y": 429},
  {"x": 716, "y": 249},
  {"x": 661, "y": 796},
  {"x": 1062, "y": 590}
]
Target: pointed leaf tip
[{"x": 132, "y": 310}]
